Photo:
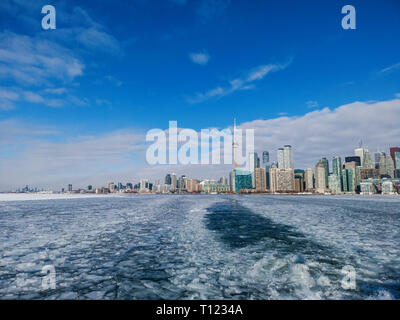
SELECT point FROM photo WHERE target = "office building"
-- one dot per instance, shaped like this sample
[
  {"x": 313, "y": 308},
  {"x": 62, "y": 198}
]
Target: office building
[
  {"x": 309, "y": 179},
  {"x": 334, "y": 183},
  {"x": 168, "y": 179},
  {"x": 243, "y": 180},
  {"x": 299, "y": 184},
  {"x": 320, "y": 177},
  {"x": 325, "y": 163},
  {"x": 265, "y": 159}
]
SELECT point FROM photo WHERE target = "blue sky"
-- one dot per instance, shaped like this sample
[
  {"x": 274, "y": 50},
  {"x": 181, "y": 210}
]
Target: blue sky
[{"x": 135, "y": 65}]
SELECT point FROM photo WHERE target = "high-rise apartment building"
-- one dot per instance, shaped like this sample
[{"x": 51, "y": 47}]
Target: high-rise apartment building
[
  {"x": 320, "y": 179},
  {"x": 325, "y": 163},
  {"x": 265, "y": 159},
  {"x": 309, "y": 179},
  {"x": 285, "y": 157},
  {"x": 335, "y": 183},
  {"x": 243, "y": 180},
  {"x": 281, "y": 180},
  {"x": 260, "y": 179}
]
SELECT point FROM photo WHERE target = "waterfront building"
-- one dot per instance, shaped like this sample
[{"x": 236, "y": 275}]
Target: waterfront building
[
  {"x": 377, "y": 156},
  {"x": 320, "y": 182},
  {"x": 350, "y": 178},
  {"x": 335, "y": 183},
  {"x": 193, "y": 186},
  {"x": 299, "y": 184},
  {"x": 353, "y": 174},
  {"x": 281, "y": 180},
  {"x": 70, "y": 188},
  {"x": 168, "y": 179},
  {"x": 174, "y": 181},
  {"x": 337, "y": 169},
  {"x": 214, "y": 188},
  {"x": 111, "y": 186},
  {"x": 387, "y": 187},
  {"x": 260, "y": 174},
  {"x": 243, "y": 180},
  {"x": 367, "y": 188},
  {"x": 309, "y": 179}
]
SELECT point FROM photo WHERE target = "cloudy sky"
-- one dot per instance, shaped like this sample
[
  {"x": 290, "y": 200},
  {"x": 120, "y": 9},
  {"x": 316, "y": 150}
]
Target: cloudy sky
[{"x": 76, "y": 102}]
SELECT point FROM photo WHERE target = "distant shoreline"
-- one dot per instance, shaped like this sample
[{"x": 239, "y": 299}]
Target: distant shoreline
[{"x": 5, "y": 197}]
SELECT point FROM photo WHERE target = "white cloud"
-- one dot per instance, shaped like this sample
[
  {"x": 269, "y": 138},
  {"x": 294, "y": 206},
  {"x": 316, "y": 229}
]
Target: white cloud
[
  {"x": 33, "y": 61},
  {"x": 391, "y": 68},
  {"x": 199, "y": 58},
  {"x": 329, "y": 132},
  {"x": 244, "y": 83}
]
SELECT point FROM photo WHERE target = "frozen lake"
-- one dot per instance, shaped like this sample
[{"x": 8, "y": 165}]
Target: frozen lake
[{"x": 200, "y": 247}]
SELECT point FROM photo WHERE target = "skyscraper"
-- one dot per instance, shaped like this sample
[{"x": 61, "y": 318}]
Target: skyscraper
[
  {"x": 242, "y": 180},
  {"x": 393, "y": 151},
  {"x": 320, "y": 179},
  {"x": 337, "y": 170},
  {"x": 309, "y": 179},
  {"x": 335, "y": 184},
  {"x": 288, "y": 157},
  {"x": 168, "y": 179},
  {"x": 265, "y": 159},
  {"x": 285, "y": 157},
  {"x": 174, "y": 183},
  {"x": 252, "y": 164},
  {"x": 325, "y": 163},
  {"x": 281, "y": 157}
]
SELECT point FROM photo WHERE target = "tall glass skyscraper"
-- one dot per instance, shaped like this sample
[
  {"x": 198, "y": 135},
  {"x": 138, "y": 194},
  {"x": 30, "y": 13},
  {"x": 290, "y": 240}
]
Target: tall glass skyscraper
[
  {"x": 325, "y": 162},
  {"x": 285, "y": 157}
]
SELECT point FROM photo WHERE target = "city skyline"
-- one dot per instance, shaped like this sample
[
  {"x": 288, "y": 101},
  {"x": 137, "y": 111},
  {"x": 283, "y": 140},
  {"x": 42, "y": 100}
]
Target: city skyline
[
  {"x": 358, "y": 173},
  {"x": 76, "y": 102}
]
